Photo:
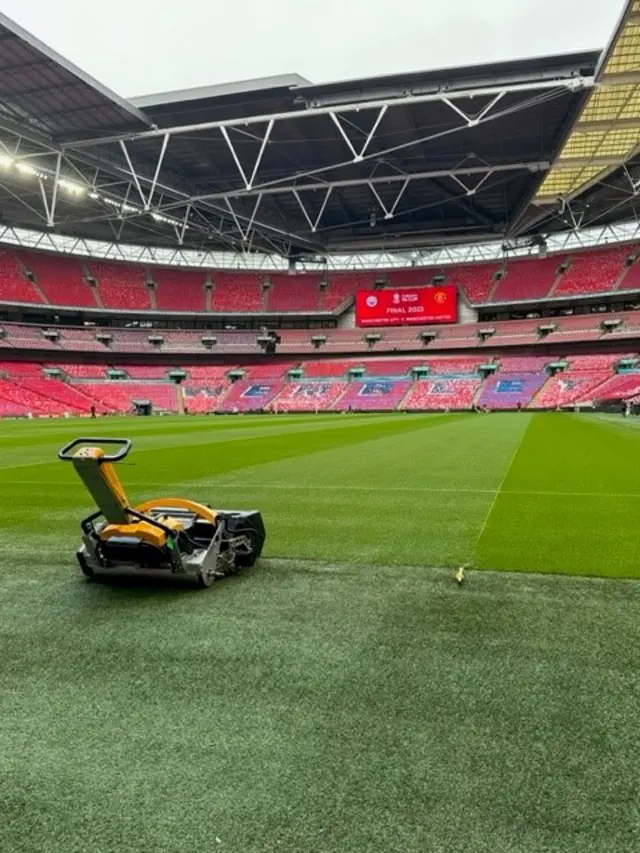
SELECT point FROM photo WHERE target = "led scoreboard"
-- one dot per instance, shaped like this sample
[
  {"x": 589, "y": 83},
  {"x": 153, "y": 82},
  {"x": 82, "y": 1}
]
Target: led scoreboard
[{"x": 407, "y": 306}]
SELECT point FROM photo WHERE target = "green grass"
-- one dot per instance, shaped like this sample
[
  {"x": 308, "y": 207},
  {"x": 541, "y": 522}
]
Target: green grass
[{"x": 344, "y": 696}]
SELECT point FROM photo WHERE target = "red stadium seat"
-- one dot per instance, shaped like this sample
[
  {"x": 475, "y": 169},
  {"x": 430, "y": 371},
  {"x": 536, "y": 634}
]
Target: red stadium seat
[
  {"x": 319, "y": 369},
  {"x": 343, "y": 286},
  {"x": 61, "y": 279},
  {"x": 529, "y": 279},
  {"x": 247, "y": 396},
  {"x": 440, "y": 394},
  {"x": 120, "y": 396},
  {"x": 595, "y": 271},
  {"x": 476, "y": 280},
  {"x": 374, "y": 395},
  {"x": 179, "y": 290},
  {"x": 14, "y": 287},
  {"x": 569, "y": 387},
  {"x": 310, "y": 396},
  {"x": 293, "y": 293},
  {"x": 207, "y": 372},
  {"x": 237, "y": 292},
  {"x": 121, "y": 286}
]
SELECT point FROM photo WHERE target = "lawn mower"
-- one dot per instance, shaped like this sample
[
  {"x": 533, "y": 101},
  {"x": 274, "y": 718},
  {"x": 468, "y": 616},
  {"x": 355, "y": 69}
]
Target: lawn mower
[{"x": 169, "y": 535}]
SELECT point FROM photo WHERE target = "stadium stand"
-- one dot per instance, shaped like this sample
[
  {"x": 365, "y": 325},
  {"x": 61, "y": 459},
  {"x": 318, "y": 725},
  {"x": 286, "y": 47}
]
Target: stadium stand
[
  {"x": 58, "y": 393},
  {"x": 179, "y": 290},
  {"x": 476, "y": 280},
  {"x": 293, "y": 293},
  {"x": 310, "y": 396},
  {"x": 321, "y": 369},
  {"x": 507, "y": 391},
  {"x": 526, "y": 279},
  {"x": 454, "y": 383},
  {"x": 130, "y": 340},
  {"x": 201, "y": 398},
  {"x": 120, "y": 396},
  {"x": 82, "y": 371},
  {"x": 631, "y": 281},
  {"x": 390, "y": 366},
  {"x": 19, "y": 401},
  {"x": 344, "y": 287},
  {"x": 570, "y": 387},
  {"x": 144, "y": 371},
  {"x": 237, "y": 291},
  {"x": 523, "y": 364},
  {"x": 24, "y": 337},
  {"x": 585, "y": 327},
  {"x": 185, "y": 342},
  {"x": 208, "y": 372},
  {"x": 623, "y": 386},
  {"x": 80, "y": 340},
  {"x": 60, "y": 279},
  {"x": 375, "y": 395},
  {"x": 440, "y": 394},
  {"x": 593, "y": 272},
  {"x": 274, "y": 370},
  {"x": 296, "y": 341},
  {"x": 20, "y": 368},
  {"x": 121, "y": 286},
  {"x": 247, "y": 396},
  {"x": 454, "y": 365},
  {"x": 600, "y": 361},
  {"x": 14, "y": 287}
]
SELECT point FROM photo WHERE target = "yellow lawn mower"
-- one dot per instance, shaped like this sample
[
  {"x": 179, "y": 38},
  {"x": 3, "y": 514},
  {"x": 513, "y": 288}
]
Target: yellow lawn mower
[{"x": 169, "y": 535}]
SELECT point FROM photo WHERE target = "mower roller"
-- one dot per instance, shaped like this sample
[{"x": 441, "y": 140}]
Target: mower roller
[{"x": 169, "y": 535}]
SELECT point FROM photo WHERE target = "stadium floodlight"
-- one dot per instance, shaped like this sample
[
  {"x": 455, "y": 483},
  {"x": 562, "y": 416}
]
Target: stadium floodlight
[
  {"x": 26, "y": 169},
  {"x": 158, "y": 217},
  {"x": 5, "y": 161},
  {"x": 94, "y": 195},
  {"x": 121, "y": 205},
  {"x": 72, "y": 187}
]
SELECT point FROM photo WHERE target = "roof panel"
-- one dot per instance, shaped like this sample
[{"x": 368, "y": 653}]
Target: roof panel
[
  {"x": 33, "y": 75},
  {"x": 606, "y": 133}
]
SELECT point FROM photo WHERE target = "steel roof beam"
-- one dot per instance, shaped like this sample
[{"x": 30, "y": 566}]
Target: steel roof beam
[
  {"x": 139, "y": 180},
  {"x": 533, "y": 166},
  {"x": 568, "y": 83},
  {"x": 400, "y": 147}
]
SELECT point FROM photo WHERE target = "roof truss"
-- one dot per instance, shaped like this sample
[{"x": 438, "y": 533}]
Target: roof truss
[{"x": 130, "y": 180}]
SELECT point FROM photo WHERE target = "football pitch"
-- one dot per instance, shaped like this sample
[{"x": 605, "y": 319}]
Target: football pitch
[{"x": 344, "y": 695}]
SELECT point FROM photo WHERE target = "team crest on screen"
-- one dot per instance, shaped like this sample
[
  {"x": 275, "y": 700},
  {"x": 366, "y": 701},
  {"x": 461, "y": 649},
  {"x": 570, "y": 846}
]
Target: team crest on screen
[
  {"x": 372, "y": 301},
  {"x": 440, "y": 297}
]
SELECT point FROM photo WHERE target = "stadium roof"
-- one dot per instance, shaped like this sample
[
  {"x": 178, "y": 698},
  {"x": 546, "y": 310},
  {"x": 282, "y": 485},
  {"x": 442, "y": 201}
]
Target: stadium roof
[{"x": 501, "y": 151}]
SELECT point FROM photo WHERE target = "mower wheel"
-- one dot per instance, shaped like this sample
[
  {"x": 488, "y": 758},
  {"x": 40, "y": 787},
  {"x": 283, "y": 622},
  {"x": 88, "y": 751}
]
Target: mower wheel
[
  {"x": 206, "y": 579},
  {"x": 87, "y": 571},
  {"x": 245, "y": 561}
]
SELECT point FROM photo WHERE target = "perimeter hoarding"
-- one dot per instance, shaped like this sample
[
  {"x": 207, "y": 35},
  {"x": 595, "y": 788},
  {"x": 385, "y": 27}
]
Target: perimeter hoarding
[{"x": 407, "y": 306}]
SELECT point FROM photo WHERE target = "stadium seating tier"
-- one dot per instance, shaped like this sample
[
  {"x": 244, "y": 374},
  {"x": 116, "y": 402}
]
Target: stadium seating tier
[{"x": 62, "y": 280}]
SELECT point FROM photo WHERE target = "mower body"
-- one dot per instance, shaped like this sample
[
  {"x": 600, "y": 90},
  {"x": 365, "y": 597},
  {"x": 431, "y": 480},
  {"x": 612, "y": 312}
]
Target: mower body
[{"x": 168, "y": 535}]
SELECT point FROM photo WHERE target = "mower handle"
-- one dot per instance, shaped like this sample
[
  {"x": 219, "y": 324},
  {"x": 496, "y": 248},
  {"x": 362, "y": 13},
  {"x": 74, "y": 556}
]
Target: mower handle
[{"x": 124, "y": 443}]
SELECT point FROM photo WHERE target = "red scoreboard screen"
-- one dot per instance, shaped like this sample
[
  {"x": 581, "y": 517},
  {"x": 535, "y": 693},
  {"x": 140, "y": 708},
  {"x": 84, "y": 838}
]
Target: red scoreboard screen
[{"x": 406, "y": 306}]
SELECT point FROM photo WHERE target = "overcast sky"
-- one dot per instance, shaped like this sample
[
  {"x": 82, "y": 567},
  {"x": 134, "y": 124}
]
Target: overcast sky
[{"x": 139, "y": 47}]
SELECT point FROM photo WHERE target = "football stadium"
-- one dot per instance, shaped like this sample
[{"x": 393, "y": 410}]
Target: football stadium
[{"x": 396, "y": 321}]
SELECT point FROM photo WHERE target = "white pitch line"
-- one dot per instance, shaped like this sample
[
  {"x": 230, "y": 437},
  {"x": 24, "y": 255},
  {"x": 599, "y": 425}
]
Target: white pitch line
[{"x": 502, "y": 482}]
